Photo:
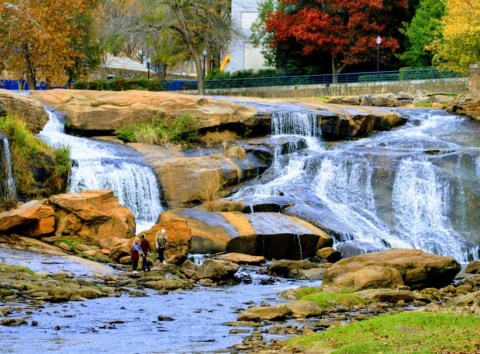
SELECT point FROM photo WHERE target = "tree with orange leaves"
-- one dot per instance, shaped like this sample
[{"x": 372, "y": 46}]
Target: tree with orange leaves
[
  {"x": 37, "y": 38},
  {"x": 342, "y": 31}
]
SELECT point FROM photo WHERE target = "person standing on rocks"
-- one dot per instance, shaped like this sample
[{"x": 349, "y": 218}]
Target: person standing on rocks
[
  {"x": 135, "y": 251},
  {"x": 145, "y": 245},
  {"x": 161, "y": 242}
]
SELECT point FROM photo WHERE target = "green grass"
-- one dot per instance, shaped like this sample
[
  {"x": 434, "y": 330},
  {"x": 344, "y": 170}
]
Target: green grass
[
  {"x": 326, "y": 299},
  {"x": 182, "y": 130},
  {"x": 423, "y": 104},
  {"x": 406, "y": 332}
]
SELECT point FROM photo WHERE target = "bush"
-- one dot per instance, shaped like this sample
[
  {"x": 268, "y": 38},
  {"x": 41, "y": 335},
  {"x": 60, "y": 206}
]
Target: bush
[{"x": 121, "y": 84}]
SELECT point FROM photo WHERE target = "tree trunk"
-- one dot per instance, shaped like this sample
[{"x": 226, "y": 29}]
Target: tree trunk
[{"x": 336, "y": 70}]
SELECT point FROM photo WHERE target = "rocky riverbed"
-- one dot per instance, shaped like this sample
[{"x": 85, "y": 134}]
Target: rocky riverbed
[{"x": 66, "y": 304}]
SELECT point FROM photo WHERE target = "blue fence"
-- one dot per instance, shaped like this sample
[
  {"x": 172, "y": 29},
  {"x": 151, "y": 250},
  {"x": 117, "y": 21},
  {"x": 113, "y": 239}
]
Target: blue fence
[
  {"x": 324, "y": 79},
  {"x": 19, "y": 85}
]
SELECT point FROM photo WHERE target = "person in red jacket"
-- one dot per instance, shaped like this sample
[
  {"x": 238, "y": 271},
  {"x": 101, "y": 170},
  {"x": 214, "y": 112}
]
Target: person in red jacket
[
  {"x": 135, "y": 251},
  {"x": 145, "y": 245}
]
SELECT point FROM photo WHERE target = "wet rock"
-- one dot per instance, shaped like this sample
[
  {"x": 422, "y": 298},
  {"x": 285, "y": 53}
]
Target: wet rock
[
  {"x": 164, "y": 318},
  {"x": 14, "y": 322},
  {"x": 216, "y": 270},
  {"x": 392, "y": 268},
  {"x": 189, "y": 268},
  {"x": 329, "y": 254},
  {"x": 303, "y": 308},
  {"x": 241, "y": 258},
  {"x": 473, "y": 267},
  {"x": 288, "y": 268},
  {"x": 168, "y": 284},
  {"x": 271, "y": 313},
  {"x": 392, "y": 296}
]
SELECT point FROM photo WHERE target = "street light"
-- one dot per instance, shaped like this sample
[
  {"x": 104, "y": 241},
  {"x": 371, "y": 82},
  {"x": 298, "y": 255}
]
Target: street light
[
  {"x": 379, "y": 41},
  {"x": 148, "y": 68},
  {"x": 204, "y": 53}
]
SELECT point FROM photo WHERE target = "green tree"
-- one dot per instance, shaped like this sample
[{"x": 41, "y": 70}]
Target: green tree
[{"x": 424, "y": 28}]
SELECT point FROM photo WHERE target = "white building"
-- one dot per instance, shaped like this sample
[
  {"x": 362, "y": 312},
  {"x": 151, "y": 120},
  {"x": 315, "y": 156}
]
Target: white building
[{"x": 243, "y": 55}]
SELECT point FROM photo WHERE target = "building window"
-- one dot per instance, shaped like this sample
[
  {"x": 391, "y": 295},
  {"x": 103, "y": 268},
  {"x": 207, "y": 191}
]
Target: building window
[{"x": 247, "y": 19}]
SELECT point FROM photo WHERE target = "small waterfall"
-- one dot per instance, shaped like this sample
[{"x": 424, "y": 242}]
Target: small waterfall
[
  {"x": 295, "y": 123},
  {"x": 8, "y": 183},
  {"x": 299, "y": 243},
  {"x": 101, "y": 165},
  {"x": 421, "y": 201}
]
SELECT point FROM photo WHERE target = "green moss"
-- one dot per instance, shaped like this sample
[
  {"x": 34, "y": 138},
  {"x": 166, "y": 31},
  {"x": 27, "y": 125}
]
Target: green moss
[
  {"x": 330, "y": 299},
  {"x": 423, "y": 104},
  {"x": 407, "y": 332}
]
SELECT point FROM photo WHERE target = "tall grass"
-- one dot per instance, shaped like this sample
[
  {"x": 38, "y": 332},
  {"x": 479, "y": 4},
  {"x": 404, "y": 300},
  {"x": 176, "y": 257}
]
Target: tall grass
[
  {"x": 38, "y": 169},
  {"x": 182, "y": 130}
]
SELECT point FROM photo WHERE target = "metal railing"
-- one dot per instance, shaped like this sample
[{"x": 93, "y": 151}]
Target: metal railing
[{"x": 323, "y": 79}]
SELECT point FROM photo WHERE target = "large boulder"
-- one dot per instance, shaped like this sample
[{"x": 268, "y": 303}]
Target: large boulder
[
  {"x": 203, "y": 178},
  {"x": 272, "y": 235},
  {"x": 25, "y": 108},
  {"x": 216, "y": 270},
  {"x": 95, "y": 216},
  {"x": 97, "y": 111},
  {"x": 353, "y": 122},
  {"x": 467, "y": 104},
  {"x": 30, "y": 219},
  {"x": 391, "y": 269}
]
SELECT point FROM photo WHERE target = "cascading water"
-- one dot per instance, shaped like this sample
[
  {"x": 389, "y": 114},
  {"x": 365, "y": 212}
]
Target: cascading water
[
  {"x": 413, "y": 187},
  {"x": 101, "y": 165},
  {"x": 8, "y": 183}
]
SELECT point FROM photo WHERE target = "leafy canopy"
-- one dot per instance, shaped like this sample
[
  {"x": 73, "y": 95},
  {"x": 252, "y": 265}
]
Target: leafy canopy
[
  {"x": 344, "y": 31},
  {"x": 460, "y": 45}
]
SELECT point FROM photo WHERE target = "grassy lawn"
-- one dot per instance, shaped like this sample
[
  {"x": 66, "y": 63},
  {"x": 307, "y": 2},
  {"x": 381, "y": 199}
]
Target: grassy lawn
[{"x": 406, "y": 332}]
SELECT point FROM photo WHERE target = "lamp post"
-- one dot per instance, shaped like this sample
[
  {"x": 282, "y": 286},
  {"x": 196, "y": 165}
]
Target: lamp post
[
  {"x": 148, "y": 68},
  {"x": 379, "y": 41},
  {"x": 204, "y": 53}
]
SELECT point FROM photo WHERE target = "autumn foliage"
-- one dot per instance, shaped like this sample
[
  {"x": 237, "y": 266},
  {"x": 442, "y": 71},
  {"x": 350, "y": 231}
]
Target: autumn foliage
[
  {"x": 343, "y": 30},
  {"x": 38, "y": 37}
]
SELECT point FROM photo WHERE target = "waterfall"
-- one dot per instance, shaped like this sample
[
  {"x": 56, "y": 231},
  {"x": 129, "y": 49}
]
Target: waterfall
[
  {"x": 8, "y": 183},
  {"x": 421, "y": 201},
  {"x": 295, "y": 123},
  {"x": 411, "y": 187},
  {"x": 101, "y": 165},
  {"x": 299, "y": 243}
]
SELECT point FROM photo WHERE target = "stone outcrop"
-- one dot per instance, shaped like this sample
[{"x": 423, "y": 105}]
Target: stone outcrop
[
  {"x": 203, "y": 178},
  {"x": 96, "y": 217},
  {"x": 216, "y": 270},
  {"x": 392, "y": 269},
  {"x": 25, "y": 108},
  {"x": 467, "y": 104},
  {"x": 272, "y": 235},
  {"x": 270, "y": 313},
  {"x": 30, "y": 219},
  {"x": 106, "y": 111},
  {"x": 241, "y": 258},
  {"x": 355, "y": 122}
]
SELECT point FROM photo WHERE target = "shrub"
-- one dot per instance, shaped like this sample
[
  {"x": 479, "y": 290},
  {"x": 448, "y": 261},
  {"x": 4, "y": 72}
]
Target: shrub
[{"x": 181, "y": 130}]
